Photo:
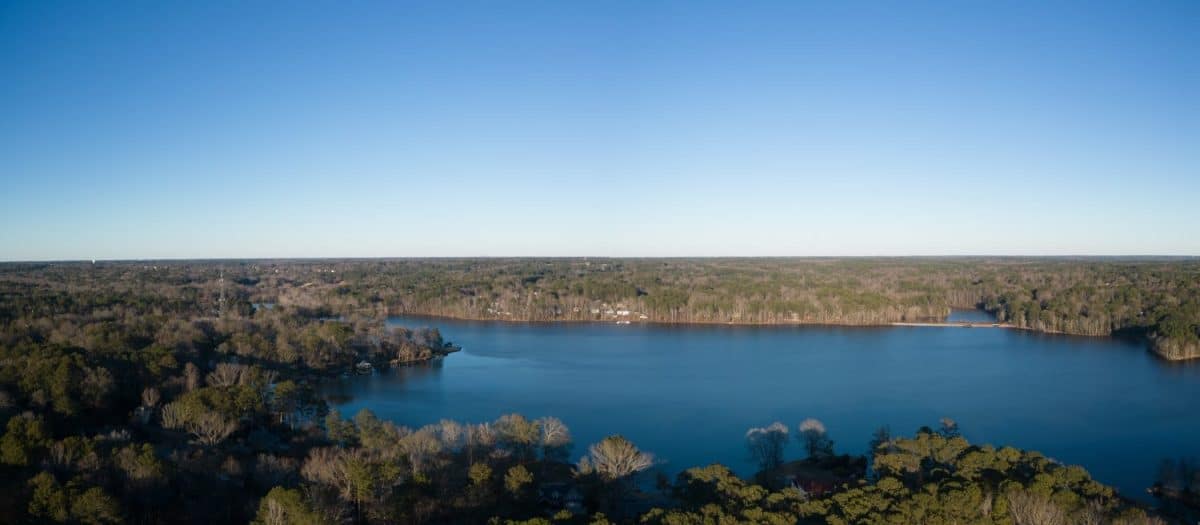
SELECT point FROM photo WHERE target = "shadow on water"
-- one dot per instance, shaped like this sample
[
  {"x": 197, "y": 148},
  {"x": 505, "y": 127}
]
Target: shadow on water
[{"x": 345, "y": 389}]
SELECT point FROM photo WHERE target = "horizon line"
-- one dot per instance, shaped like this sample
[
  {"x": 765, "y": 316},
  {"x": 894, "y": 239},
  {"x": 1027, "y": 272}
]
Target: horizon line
[{"x": 660, "y": 257}]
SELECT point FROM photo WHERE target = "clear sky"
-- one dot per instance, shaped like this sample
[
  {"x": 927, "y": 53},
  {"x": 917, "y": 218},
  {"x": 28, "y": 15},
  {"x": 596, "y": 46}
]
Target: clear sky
[{"x": 641, "y": 128}]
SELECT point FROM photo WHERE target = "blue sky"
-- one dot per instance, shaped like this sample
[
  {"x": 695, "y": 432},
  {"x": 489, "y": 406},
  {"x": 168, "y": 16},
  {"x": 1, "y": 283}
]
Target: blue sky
[{"x": 257, "y": 129}]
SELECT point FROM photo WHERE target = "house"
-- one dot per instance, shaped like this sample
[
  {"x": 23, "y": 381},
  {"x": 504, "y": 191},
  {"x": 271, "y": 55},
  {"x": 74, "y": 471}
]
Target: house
[{"x": 809, "y": 487}]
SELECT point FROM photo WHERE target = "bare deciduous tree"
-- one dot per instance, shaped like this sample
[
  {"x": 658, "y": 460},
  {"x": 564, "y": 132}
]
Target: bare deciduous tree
[
  {"x": 1091, "y": 514},
  {"x": 1028, "y": 508},
  {"x": 352, "y": 473},
  {"x": 949, "y": 428},
  {"x": 276, "y": 513},
  {"x": 518, "y": 433},
  {"x": 225, "y": 374},
  {"x": 556, "y": 438},
  {"x": 766, "y": 444},
  {"x": 554, "y": 432},
  {"x": 985, "y": 505},
  {"x": 451, "y": 433},
  {"x": 615, "y": 457},
  {"x": 210, "y": 428},
  {"x": 191, "y": 377},
  {"x": 481, "y": 435},
  {"x": 420, "y": 447},
  {"x": 271, "y": 470},
  {"x": 478, "y": 437},
  {"x": 172, "y": 415},
  {"x": 150, "y": 397},
  {"x": 322, "y": 466},
  {"x": 816, "y": 442}
]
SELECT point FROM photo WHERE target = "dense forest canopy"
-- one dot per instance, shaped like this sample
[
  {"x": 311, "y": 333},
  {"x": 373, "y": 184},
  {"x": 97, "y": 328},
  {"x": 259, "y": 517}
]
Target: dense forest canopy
[
  {"x": 1155, "y": 298},
  {"x": 185, "y": 392}
]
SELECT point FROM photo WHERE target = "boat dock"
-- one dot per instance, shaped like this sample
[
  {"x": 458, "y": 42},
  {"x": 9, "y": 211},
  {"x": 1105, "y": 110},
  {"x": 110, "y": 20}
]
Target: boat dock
[{"x": 957, "y": 325}]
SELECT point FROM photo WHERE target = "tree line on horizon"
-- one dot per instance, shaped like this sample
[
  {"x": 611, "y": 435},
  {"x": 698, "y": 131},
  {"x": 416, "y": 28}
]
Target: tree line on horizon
[{"x": 1158, "y": 300}]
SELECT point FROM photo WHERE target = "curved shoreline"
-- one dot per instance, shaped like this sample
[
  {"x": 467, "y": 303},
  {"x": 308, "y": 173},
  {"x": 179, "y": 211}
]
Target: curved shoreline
[{"x": 1150, "y": 344}]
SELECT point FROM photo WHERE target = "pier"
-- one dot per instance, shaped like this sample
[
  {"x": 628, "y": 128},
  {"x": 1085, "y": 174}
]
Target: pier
[{"x": 957, "y": 325}]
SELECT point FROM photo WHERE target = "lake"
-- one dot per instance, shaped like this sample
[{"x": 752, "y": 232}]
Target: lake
[{"x": 689, "y": 393}]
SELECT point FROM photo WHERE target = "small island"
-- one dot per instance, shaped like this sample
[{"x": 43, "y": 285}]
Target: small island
[{"x": 416, "y": 346}]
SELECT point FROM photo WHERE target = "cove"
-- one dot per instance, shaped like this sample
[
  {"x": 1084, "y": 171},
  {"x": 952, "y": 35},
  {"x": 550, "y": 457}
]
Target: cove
[{"x": 689, "y": 393}]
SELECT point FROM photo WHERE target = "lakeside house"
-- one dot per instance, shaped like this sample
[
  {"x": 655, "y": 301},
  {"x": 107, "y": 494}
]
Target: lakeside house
[{"x": 808, "y": 487}]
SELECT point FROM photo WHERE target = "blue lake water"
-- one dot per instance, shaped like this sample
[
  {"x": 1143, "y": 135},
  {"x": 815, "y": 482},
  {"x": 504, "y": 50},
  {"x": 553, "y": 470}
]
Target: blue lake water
[{"x": 688, "y": 393}]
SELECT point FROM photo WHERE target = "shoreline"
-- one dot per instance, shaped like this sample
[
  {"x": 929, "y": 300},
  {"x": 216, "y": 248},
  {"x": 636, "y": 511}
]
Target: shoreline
[
  {"x": 830, "y": 324},
  {"x": 956, "y": 324},
  {"x": 1149, "y": 344},
  {"x": 653, "y": 322}
]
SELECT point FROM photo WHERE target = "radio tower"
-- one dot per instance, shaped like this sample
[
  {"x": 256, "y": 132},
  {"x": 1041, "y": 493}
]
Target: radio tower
[{"x": 221, "y": 299}]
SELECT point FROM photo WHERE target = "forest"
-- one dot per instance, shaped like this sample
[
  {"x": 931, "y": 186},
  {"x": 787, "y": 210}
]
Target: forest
[
  {"x": 1158, "y": 300},
  {"x": 187, "y": 392},
  {"x": 1154, "y": 299}
]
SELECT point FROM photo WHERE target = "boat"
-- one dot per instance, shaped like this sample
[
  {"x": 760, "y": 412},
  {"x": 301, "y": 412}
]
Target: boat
[{"x": 363, "y": 367}]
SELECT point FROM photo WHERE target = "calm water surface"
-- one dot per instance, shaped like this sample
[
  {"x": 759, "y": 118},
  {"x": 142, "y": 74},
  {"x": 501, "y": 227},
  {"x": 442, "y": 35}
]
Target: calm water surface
[{"x": 688, "y": 393}]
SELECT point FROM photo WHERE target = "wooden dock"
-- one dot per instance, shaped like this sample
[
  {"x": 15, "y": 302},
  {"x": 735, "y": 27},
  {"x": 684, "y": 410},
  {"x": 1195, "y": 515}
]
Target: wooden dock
[{"x": 957, "y": 325}]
